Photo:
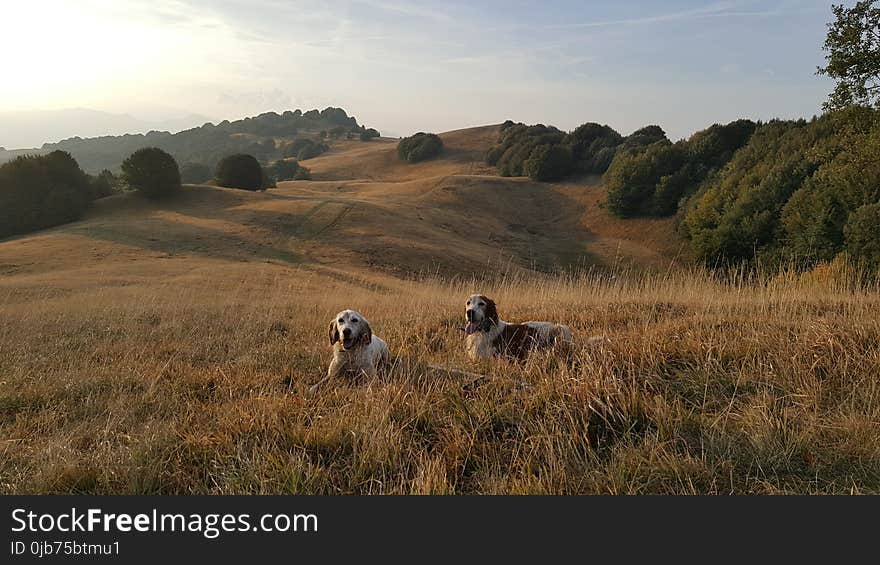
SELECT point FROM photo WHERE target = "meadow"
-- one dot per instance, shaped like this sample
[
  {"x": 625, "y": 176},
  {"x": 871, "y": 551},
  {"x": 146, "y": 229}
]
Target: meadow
[
  {"x": 169, "y": 348},
  {"x": 699, "y": 386}
]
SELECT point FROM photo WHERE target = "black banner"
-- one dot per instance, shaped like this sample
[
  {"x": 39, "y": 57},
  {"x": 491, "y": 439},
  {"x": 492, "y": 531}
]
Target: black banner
[{"x": 236, "y": 528}]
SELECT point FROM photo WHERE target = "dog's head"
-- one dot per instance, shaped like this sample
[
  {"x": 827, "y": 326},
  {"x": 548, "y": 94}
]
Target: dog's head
[
  {"x": 480, "y": 313},
  {"x": 350, "y": 329}
]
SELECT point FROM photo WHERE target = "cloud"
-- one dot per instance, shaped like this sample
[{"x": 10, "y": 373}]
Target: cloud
[
  {"x": 409, "y": 10},
  {"x": 716, "y": 10}
]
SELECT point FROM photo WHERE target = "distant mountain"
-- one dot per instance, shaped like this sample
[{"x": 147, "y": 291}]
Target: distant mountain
[
  {"x": 267, "y": 136},
  {"x": 34, "y": 128}
]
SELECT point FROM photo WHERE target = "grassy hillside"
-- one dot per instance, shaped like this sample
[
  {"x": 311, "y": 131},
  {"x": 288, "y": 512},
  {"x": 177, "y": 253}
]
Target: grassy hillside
[{"x": 168, "y": 348}]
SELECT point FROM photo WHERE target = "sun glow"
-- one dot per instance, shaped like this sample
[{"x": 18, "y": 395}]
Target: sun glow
[{"x": 60, "y": 54}]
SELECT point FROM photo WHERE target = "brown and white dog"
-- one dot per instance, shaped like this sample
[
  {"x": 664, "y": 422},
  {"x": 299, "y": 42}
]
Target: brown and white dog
[
  {"x": 489, "y": 336},
  {"x": 355, "y": 349}
]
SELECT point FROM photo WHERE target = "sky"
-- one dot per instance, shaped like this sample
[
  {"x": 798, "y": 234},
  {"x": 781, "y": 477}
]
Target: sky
[{"x": 420, "y": 66}]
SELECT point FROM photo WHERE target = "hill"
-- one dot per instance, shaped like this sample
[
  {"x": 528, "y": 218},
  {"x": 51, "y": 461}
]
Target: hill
[
  {"x": 265, "y": 136},
  {"x": 367, "y": 209},
  {"x": 31, "y": 129},
  {"x": 168, "y": 348}
]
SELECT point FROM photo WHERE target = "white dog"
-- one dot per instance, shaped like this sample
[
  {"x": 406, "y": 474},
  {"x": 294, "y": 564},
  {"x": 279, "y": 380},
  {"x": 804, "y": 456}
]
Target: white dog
[{"x": 355, "y": 349}]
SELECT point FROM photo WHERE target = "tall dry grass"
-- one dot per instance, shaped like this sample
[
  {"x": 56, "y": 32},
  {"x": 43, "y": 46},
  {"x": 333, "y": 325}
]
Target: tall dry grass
[{"x": 764, "y": 385}]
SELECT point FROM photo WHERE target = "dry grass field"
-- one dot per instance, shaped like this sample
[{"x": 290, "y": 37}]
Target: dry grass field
[{"x": 169, "y": 348}]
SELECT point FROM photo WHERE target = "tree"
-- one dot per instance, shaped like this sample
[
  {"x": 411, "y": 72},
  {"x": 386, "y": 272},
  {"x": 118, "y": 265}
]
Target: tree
[
  {"x": 40, "y": 191},
  {"x": 646, "y": 181},
  {"x": 310, "y": 151},
  {"x": 152, "y": 172},
  {"x": 195, "y": 173},
  {"x": 104, "y": 184},
  {"x": 853, "y": 55},
  {"x": 645, "y": 136},
  {"x": 337, "y": 132},
  {"x": 863, "y": 235},
  {"x": 517, "y": 143},
  {"x": 419, "y": 147},
  {"x": 288, "y": 170},
  {"x": 302, "y": 174},
  {"x": 240, "y": 171},
  {"x": 548, "y": 163},
  {"x": 368, "y": 134}
]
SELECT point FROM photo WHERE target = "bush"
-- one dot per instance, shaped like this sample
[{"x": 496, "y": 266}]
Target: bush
[
  {"x": 548, "y": 163},
  {"x": 104, "y": 184},
  {"x": 517, "y": 143},
  {"x": 523, "y": 150},
  {"x": 645, "y": 181},
  {"x": 419, "y": 147},
  {"x": 288, "y": 170},
  {"x": 302, "y": 174},
  {"x": 240, "y": 171},
  {"x": 645, "y": 136},
  {"x": 369, "y": 134},
  {"x": 862, "y": 233},
  {"x": 781, "y": 195},
  {"x": 265, "y": 180},
  {"x": 650, "y": 176},
  {"x": 152, "y": 172},
  {"x": 304, "y": 148},
  {"x": 593, "y": 146},
  {"x": 37, "y": 192},
  {"x": 195, "y": 173},
  {"x": 847, "y": 178}
]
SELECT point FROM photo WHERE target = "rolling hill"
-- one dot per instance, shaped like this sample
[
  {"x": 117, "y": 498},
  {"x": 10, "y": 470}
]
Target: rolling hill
[
  {"x": 364, "y": 210},
  {"x": 171, "y": 348}
]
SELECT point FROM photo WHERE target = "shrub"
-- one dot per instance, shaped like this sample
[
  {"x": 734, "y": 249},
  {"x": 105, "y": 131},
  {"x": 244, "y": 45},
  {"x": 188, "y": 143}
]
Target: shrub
[
  {"x": 593, "y": 146},
  {"x": 240, "y": 171},
  {"x": 770, "y": 201},
  {"x": 650, "y": 176},
  {"x": 645, "y": 136},
  {"x": 337, "y": 132},
  {"x": 645, "y": 181},
  {"x": 419, "y": 147},
  {"x": 304, "y": 148},
  {"x": 302, "y": 174},
  {"x": 862, "y": 233},
  {"x": 37, "y": 192},
  {"x": 195, "y": 173},
  {"x": 288, "y": 170},
  {"x": 265, "y": 180},
  {"x": 152, "y": 172},
  {"x": 368, "y": 134},
  {"x": 847, "y": 178},
  {"x": 522, "y": 150},
  {"x": 104, "y": 184},
  {"x": 517, "y": 143},
  {"x": 548, "y": 163}
]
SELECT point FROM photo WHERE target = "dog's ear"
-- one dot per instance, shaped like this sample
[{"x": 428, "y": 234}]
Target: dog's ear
[
  {"x": 491, "y": 310},
  {"x": 366, "y": 333},
  {"x": 334, "y": 332}
]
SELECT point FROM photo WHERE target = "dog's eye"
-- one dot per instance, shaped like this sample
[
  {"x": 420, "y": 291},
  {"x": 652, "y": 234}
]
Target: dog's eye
[
  {"x": 354, "y": 321},
  {"x": 341, "y": 321},
  {"x": 468, "y": 302},
  {"x": 481, "y": 304}
]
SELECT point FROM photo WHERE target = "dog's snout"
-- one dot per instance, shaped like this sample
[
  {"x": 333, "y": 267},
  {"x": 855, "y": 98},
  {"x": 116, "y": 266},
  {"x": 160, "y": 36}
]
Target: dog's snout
[{"x": 346, "y": 332}]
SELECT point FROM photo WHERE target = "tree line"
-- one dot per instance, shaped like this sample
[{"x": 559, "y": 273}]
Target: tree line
[
  {"x": 780, "y": 192},
  {"x": 267, "y": 137},
  {"x": 42, "y": 191}
]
